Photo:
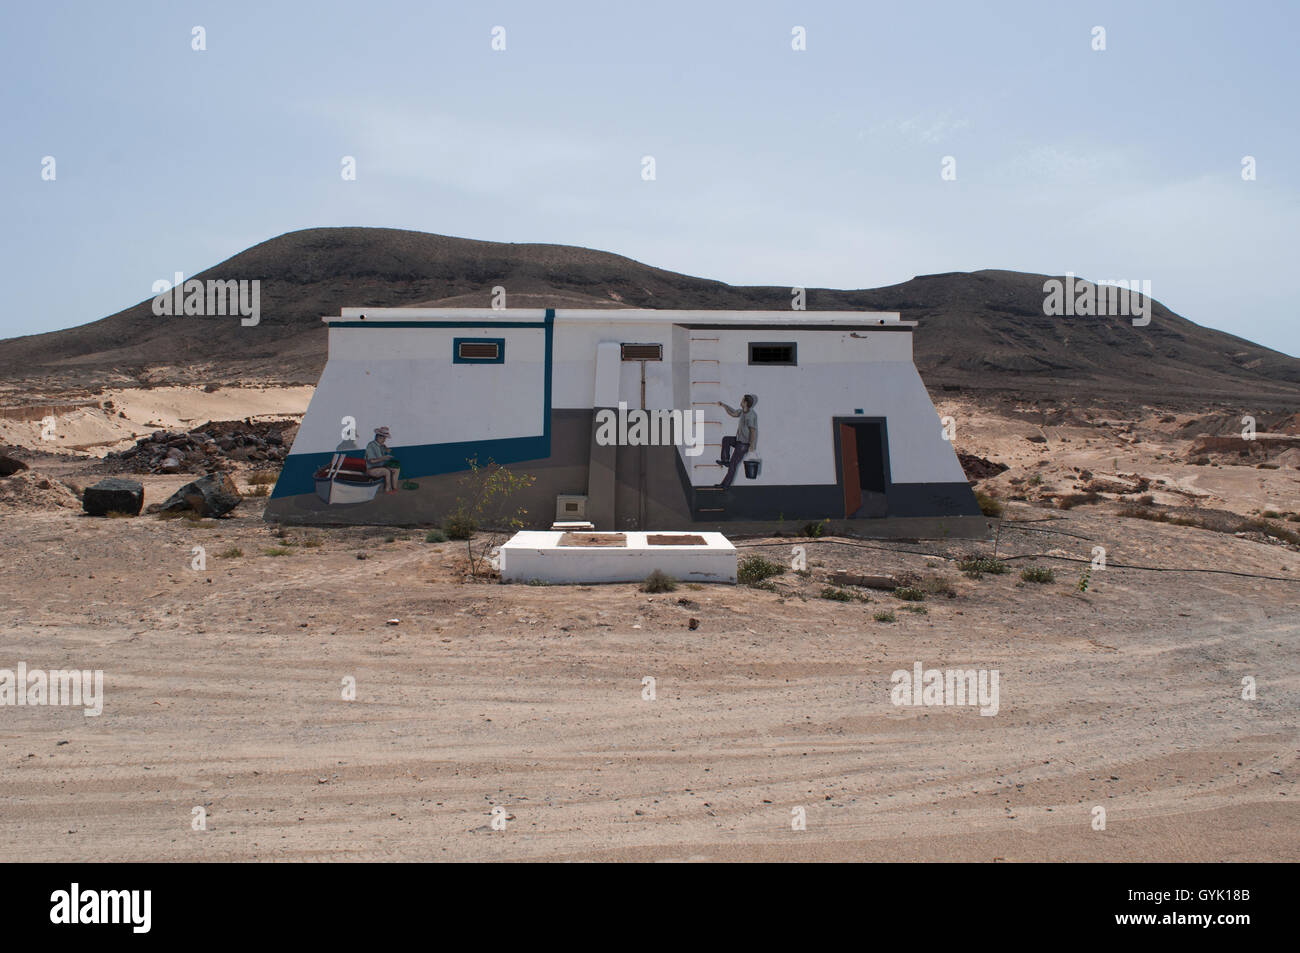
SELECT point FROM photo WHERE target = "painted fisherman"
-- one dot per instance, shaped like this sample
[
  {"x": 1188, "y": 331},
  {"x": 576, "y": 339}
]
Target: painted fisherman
[
  {"x": 745, "y": 440},
  {"x": 381, "y": 463}
]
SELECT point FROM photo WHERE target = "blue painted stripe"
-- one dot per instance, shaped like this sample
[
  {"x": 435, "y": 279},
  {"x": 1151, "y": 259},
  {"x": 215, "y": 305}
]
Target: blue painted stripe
[{"x": 431, "y": 459}]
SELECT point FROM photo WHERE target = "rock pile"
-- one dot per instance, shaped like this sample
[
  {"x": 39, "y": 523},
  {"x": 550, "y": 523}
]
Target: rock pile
[{"x": 213, "y": 446}]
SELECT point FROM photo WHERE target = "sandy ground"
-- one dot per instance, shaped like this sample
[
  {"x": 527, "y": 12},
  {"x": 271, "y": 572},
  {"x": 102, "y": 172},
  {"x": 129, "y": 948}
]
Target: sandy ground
[
  {"x": 113, "y": 419},
  {"x": 223, "y": 689}
]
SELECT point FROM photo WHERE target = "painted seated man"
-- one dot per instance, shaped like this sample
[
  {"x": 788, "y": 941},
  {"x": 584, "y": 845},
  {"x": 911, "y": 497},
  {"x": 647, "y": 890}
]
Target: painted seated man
[
  {"x": 745, "y": 440},
  {"x": 381, "y": 463}
]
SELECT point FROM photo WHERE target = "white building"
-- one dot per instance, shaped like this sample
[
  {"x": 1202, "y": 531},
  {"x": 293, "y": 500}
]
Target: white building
[{"x": 842, "y": 424}]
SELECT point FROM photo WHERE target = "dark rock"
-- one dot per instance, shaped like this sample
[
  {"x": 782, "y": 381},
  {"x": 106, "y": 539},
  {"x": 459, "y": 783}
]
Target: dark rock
[
  {"x": 9, "y": 466},
  {"x": 113, "y": 495},
  {"x": 211, "y": 495}
]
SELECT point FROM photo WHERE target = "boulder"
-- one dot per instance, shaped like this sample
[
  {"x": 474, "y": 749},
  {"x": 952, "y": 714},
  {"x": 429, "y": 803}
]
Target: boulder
[
  {"x": 113, "y": 495},
  {"x": 9, "y": 466},
  {"x": 211, "y": 495}
]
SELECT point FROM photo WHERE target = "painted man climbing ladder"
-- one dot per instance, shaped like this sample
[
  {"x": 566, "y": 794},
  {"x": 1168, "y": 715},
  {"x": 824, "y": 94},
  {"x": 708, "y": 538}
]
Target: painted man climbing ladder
[{"x": 745, "y": 440}]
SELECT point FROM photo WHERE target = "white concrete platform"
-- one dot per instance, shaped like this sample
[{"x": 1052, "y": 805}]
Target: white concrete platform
[{"x": 537, "y": 554}]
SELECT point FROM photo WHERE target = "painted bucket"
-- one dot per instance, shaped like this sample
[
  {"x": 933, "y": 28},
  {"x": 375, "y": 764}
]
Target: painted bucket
[{"x": 753, "y": 468}]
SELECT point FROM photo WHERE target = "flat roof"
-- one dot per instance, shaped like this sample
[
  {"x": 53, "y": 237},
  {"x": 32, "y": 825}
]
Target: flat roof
[{"x": 619, "y": 316}]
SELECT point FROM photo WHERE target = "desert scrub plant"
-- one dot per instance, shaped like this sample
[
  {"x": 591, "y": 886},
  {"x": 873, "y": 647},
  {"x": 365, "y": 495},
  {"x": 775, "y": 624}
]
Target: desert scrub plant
[
  {"x": 815, "y": 530},
  {"x": 989, "y": 505},
  {"x": 910, "y": 593},
  {"x": 435, "y": 536},
  {"x": 755, "y": 568},
  {"x": 885, "y": 615},
  {"x": 234, "y": 552},
  {"x": 459, "y": 526},
  {"x": 1269, "y": 529},
  {"x": 487, "y": 490},
  {"x": 976, "y": 566},
  {"x": 276, "y": 551},
  {"x": 659, "y": 581},
  {"x": 938, "y": 586},
  {"x": 262, "y": 477},
  {"x": 1038, "y": 574},
  {"x": 919, "y": 610},
  {"x": 313, "y": 542},
  {"x": 1069, "y": 501},
  {"x": 837, "y": 595},
  {"x": 1085, "y": 579}
]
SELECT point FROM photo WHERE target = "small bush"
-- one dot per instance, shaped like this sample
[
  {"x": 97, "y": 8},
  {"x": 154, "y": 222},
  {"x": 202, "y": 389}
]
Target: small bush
[
  {"x": 260, "y": 490},
  {"x": 1144, "y": 513},
  {"x": 1270, "y": 529},
  {"x": 459, "y": 526},
  {"x": 234, "y": 552},
  {"x": 435, "y": 536},
  {"x": 938, "y": 586},
  {"x": 884, "y": 616},
  {"x": 1038, "y": 574},
  {"x": 989, "y": 505},
  {"x": 1068, "y": 501},
  {"x": 910, "y": 593},
  {"x": 659, "y": 581},
  {"x": 263, "y": 478},
  {"x": 276, "y": 551},
  {"x": 977, "y": 566},
  {"x": 838, "y": 595},
  {"x": 755, "y": 568},
  {"x": 815, "y": 530},
  {"x": 919, "y": 610}
]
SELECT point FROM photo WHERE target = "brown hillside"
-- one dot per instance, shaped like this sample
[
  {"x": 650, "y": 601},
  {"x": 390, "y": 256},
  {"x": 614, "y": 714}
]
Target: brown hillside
[{"x": 983, "y": 330}]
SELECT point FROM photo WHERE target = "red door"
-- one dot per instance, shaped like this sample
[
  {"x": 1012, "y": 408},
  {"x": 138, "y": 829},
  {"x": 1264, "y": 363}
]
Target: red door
[{"x": 849, "y": 469}]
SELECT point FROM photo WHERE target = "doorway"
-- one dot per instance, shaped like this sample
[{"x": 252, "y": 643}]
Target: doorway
[{"x": 863, "y": 462}]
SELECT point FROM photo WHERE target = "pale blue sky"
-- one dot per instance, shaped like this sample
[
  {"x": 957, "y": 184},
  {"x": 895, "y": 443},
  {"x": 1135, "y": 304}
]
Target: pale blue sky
[{"x": 815, "y": 168}]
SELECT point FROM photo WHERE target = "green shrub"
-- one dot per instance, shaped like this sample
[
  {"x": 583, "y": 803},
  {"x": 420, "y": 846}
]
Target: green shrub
[
  {"x": 234, "y": 552},
  {"x": 884, "y": 616},
  {"x": 276, "y": 551},
  {"x": 659, "y": 581},
  {"x": 977, "y": 566},
  {"x": 1038, "y": 574},
  {"x": 435, "y": 536},
  {"x": 910, "y": 593},
  {"x": 755, "y": 568},
  {"x": 989, "y": 505},
  {"x": 459, "y": 526},
  {"x": 838, "y": 595},
  {"x": 815, "y": 530}
]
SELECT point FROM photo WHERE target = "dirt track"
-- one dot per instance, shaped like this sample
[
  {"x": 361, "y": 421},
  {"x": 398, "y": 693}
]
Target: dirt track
[{"x": 223, "y": 689}]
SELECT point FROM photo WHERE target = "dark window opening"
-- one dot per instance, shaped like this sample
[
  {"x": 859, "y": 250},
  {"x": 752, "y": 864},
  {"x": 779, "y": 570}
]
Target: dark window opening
[
  {"x": 643, "y": 352},
  {"x": 479, "y": 351},
  {"x": 783, "y": 354}
]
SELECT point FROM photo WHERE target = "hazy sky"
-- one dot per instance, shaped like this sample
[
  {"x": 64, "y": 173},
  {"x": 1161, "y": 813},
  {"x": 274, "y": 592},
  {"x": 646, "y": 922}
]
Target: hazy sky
[{"x": 773, "y": 166}]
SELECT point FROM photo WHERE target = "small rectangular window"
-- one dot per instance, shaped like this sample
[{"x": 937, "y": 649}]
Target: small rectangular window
[
  {"x": 643, "y": 352},
  {"x": 779, "y": 353},
  {"x": 479, "y": 351}
]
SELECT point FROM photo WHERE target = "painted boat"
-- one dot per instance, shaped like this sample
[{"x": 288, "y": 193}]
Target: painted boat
[{"x": 344, "y": 480}]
